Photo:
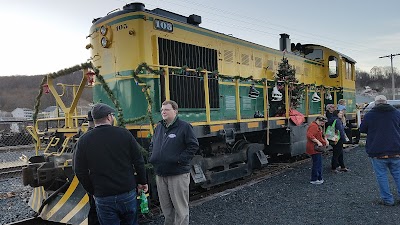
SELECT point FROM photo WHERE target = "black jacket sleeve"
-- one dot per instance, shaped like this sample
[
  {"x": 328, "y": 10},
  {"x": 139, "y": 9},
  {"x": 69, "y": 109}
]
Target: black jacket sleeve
[
  {"x": 80, "y": 167},
  {"x": 138, "y": 162}
]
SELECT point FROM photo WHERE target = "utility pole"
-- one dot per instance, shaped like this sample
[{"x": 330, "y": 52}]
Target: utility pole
[{"x": 391, "y": 63}]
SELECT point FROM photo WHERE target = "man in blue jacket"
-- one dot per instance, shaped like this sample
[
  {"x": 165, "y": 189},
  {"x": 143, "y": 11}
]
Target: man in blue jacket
[
  {"x": 382, "y": 126},
  {"x": 172, "y": 148}
]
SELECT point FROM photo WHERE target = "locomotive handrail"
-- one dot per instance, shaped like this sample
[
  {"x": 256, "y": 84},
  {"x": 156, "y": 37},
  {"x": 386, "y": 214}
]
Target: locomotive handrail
[
  {"x": 61, "y": 118},
  {"x": 64, "y": 146},
  {"x": 51, "y": 144}
]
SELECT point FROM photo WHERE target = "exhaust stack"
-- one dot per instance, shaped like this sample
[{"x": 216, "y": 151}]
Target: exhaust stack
[{"x": 284, "y": 42}]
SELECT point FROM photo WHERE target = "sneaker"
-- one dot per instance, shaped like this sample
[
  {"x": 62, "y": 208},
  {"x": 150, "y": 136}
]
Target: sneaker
[
  {"x": 335, "y": 171},
  {"x": 345, "y": 170},
  {"x": 381, "y": 202},
  {"x": 321, "y": 181},
  {"x": 315, "y": 182}
]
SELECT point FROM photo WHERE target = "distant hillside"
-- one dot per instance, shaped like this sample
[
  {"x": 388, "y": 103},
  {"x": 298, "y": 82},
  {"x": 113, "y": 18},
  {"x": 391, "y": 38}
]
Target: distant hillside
[{"x": 21, "y": 91}]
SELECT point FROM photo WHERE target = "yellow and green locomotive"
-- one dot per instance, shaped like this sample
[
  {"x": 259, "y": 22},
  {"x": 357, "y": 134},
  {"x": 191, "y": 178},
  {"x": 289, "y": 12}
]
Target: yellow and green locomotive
[{"x": 246, "y": 102}]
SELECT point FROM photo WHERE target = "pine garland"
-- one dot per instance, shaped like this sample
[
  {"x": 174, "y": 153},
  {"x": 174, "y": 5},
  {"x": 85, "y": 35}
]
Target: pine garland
[
  {"x": 141, "y": 69},
  {"x": 54, "y": 76},
  {"x": 114, "y": 100},
  {"x": 37, "y": 100}
]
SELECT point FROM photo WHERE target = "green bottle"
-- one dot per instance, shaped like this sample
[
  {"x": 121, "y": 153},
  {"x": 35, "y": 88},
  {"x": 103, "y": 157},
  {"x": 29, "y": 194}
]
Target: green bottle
[{"x": 144, "y": 205}]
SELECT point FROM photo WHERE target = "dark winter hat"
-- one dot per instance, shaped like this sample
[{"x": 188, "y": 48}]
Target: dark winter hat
[
  {"x": 101, "y": 110},
  {"x": 321, "y": 118},
  {"x": 89, "y": 116}
]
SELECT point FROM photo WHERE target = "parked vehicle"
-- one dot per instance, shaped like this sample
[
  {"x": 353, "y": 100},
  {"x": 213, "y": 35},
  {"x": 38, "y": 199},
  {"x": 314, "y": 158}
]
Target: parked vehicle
[{"x": 367, "y": 108}]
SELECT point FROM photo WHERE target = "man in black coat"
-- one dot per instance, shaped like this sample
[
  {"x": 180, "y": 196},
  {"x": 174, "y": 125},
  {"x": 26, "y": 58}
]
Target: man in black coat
[
  {"x": 172, "y": 148},
  {"x": 105, "y": 161}
]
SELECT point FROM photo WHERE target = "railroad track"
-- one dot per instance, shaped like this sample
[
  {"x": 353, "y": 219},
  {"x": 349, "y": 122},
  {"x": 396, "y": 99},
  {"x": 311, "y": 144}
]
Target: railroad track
[
  {"x": 10, "y": 169},
  {"x": 10, "y": 172},
  {"x": 17, "y": 148}
]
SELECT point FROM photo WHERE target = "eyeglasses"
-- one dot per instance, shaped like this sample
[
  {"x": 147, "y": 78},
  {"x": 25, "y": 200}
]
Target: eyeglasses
[{"x": 165, "y": 109}]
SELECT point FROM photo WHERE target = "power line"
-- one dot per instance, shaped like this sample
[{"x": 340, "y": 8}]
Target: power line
[
  {"x": 391, "y": 63},
  {"x": 282, "y": 28},
  {"x": 266, "y": 27}
]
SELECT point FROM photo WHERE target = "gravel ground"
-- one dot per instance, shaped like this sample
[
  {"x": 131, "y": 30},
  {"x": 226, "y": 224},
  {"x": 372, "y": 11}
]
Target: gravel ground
[
  {"x": 14, "y": 199},
  {"x": 14, "y": 196},
  {"x": 289, "y": 198}
]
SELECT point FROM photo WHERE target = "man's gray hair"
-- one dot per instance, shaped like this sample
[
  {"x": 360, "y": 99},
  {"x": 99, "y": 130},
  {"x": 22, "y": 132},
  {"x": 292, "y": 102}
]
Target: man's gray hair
[{"x": 380, "y": 99}]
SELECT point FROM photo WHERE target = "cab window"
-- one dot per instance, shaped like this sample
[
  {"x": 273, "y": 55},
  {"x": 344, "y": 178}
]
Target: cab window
[
  {"x": 314, "y": 54},
  {"x": 348, "y": 71},
  {"x": 333, "y": 67}
]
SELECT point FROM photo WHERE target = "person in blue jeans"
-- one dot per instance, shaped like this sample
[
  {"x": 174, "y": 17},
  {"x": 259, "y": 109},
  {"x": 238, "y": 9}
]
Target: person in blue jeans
[
  {"x": 382, "y": 126},
  {"x": 105, "y": 162},
  {"x": 315, "y": 136}
]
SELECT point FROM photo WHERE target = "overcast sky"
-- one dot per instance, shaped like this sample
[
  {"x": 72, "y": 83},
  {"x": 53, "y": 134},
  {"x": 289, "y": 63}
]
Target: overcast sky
[{"x": 42, "y": 36}]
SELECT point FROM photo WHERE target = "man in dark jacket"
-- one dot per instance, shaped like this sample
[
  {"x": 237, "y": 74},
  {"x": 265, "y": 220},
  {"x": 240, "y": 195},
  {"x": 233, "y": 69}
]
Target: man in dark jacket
[
  {"x": 105, "y": 161},
  {"x": 382, "y": 126},
  {"x": 172, "y": 148},
  {"x": 92, "y": 215}
]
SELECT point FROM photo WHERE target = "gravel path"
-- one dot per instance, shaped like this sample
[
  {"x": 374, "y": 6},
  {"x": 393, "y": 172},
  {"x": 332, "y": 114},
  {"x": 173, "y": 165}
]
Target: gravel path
[
  {"x": 14, "y": 196},
  {"x": 289, "y": 198},
  {"x": 14, "y": 199}
]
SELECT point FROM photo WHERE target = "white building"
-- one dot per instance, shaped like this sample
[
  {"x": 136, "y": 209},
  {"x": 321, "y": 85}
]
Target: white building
[
  {"x": 6, "y": 116},
  {"x": 52, "y": 112},
  {"x": 22, "y": 113}
]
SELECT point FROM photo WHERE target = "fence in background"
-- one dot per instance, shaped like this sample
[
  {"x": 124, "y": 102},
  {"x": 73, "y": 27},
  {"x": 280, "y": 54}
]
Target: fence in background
[{"x": 14, "y": 133}]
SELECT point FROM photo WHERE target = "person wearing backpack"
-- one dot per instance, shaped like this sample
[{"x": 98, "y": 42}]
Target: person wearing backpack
[{"x": 337, "y": 156}]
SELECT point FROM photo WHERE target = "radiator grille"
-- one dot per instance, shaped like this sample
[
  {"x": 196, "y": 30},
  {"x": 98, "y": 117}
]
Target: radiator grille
[
  {"x": 174, "y": 53},
  {"x": 187, "y": 89}
]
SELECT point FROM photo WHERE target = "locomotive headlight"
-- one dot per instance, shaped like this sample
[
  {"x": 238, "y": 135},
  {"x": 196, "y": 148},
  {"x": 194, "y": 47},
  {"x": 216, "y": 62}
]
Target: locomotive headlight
[
  {"x": 103, "y": 30},
  {"x": 104, "y": 42}
]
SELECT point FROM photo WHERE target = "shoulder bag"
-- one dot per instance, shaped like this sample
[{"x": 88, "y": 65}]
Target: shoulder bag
[{"x": 331, "y": 133}]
